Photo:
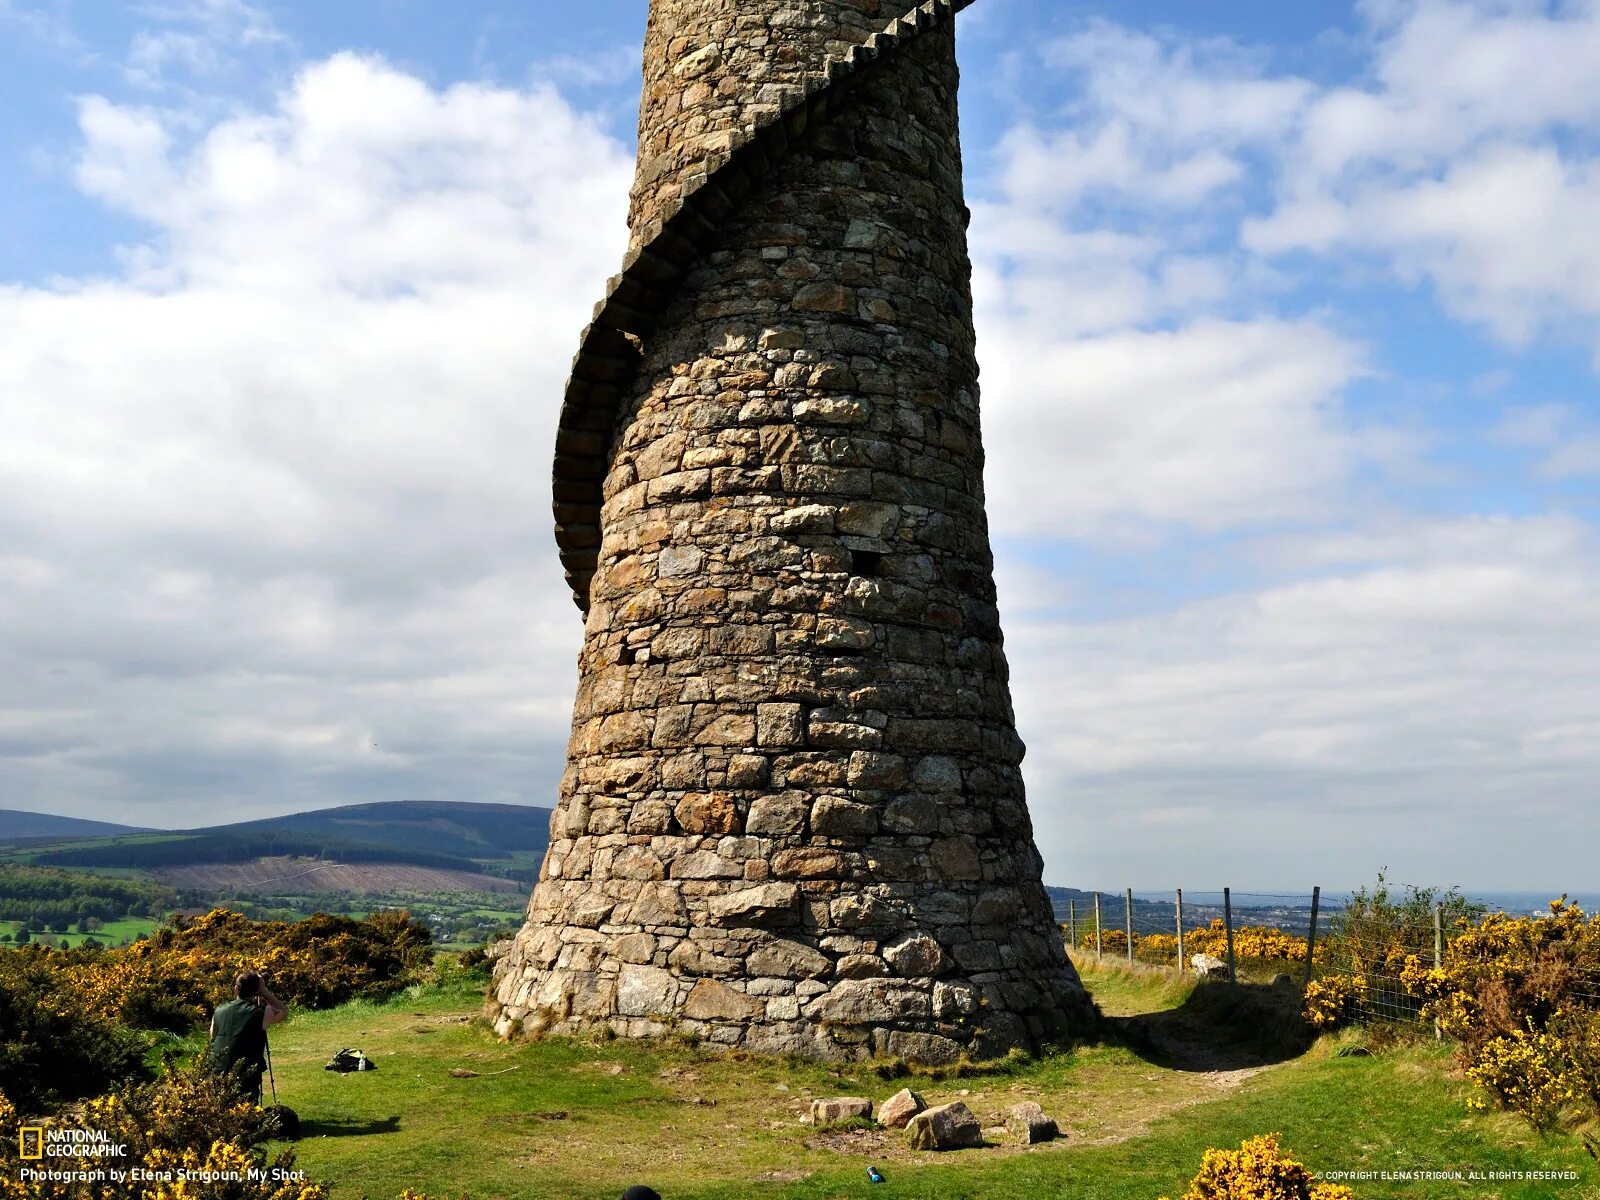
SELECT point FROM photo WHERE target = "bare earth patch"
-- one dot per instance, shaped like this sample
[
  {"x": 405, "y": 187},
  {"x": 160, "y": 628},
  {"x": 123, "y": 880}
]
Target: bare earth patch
[{"x": 304, "y": 875}]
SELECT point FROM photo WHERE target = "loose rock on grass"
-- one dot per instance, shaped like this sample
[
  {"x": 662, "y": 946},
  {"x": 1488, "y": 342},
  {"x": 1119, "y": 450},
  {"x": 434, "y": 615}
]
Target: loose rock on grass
[
  {"x": 947, "y": 1127},
  {"x": 1028, "y": 1124},
  {"x": 899, "y": 1108},
  {"x": 840, "y": 1108}
]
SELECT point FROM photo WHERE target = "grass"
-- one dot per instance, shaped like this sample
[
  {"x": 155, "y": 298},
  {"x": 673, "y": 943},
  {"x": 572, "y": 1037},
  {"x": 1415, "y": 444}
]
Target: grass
[
  {"x": 572, "y": 1118},
  {"x": 109, "y": 934}
]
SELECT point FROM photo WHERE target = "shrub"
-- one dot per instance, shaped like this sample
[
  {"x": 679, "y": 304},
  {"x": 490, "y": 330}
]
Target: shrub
[
  {"x": 1518, "y": 994},
  {"x": 172, "y": 980},
  {"x": 187, "y": 1120},
  {"x": 1331, "y": 1002},
  {"x": 1526, "y": 1073},
  {"x": 54, "y": 1048},
  {"x": 1379, "y": 934},
  {"x": 1258, "y": 1170}
]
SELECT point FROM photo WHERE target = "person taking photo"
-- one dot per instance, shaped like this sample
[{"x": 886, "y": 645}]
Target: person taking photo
[{"x": 239, "y": 1032}]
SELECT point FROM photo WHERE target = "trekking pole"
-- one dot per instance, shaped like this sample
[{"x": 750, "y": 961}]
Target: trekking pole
[{"x": 271, "y": 1078}]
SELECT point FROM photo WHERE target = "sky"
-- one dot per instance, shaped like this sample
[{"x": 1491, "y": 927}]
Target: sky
[{"x": 1289, "y": 322}]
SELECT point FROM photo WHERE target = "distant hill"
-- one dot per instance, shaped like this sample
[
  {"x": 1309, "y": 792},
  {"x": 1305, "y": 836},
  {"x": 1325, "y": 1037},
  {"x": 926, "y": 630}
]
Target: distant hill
[
  {"x": 17, "y": 825},
  {"x": 464, "y": 830},
  {"x": 467, "y": 838}
]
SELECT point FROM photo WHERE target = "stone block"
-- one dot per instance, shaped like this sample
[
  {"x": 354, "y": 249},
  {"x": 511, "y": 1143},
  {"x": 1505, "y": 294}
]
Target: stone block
[
  {"x": 637, "y": 862},
  {"x": 634, "y": 948},
  {"x": 782, "y": 815},
  {"x": 707, "y": 813},
  {"x": 912, "y": 814},
  {"x": 704, "y": 864},
  {"x": 808, "y": 863},
  {"x": 689, "y": 958},
  {"x": 840, "y": 1108},
  {"x": 915, "y": 955},
  {"x": 875, "y": 769},
  {"x": 947, "y": 1127},
  {"x": 729, "y": 729},
  {"x": 788, "y": 960},
  {"x": 927, "y": 1049},
  {"x": 823, "y": 298},
  {"x": 770, "y": 904},
  {"x": 710, "y": 1000},
  {"x": 1028, "y": 1124},
  {"x": 642, "y": 991},
  {"x": 861, "y": 966},
  {"x": 869, "y": 1002},
  {"x": 780, "y": 725},
  {"x": 843, "y": 633},
  {"x": 748, "y": 771},
  {"x": 861, "y": 910},
  {"x": 679, "y": 562},
  {"x": 954, "y": 1000},
  {"x": 804, "y": 519},
  {"x": 937, "y": 773},
  {"x": 957, "y": 858},
  {"x": 833, "y": 817},
  {"x": 896, "y": 1112}
]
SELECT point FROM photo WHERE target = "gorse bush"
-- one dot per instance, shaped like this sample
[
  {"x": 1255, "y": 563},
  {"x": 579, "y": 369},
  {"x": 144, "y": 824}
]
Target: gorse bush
[
  {"x": 69, "y": 1018},
  {"x": 187, "y": 1121},
  {"x": 1522, "y": 997},
  {"x": 1379, "y": 931},
  {"x": 1258, "y": 1170},
  {"x": 53, "y": 1046},
  {"x": 1264, "y": 942},
  {"x": 1331, "y": 1002},
  {"x": 171, "y": 981}
]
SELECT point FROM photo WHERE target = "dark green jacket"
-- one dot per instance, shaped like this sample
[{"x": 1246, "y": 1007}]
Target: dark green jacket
[{"x": 240, "y": 1036}]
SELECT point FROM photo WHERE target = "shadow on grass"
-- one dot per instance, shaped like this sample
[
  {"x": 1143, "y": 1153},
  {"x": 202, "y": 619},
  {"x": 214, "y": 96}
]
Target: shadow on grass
[
  {"x": 347, "y": 1126},
  {"x": 1219, "y": 1027}
]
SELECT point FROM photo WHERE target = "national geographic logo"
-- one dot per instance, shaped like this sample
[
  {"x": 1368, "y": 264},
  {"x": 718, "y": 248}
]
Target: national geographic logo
[{"x": 41, "y": 1141}]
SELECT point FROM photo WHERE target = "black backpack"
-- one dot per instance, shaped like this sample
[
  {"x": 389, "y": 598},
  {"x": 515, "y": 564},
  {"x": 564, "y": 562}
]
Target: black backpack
[{"x": 347, "y": 1060}]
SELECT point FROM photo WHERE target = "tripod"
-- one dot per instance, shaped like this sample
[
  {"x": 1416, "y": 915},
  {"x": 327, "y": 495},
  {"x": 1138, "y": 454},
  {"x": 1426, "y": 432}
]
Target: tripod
[
  {"x": 271, "y": 1079},
  {"x": 287, "y": 1120}
]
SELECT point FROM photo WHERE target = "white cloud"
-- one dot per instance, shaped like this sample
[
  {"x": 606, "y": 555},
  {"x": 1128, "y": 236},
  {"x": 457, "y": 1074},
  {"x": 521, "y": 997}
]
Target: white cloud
[
  {"x": 275, "y": 501},
  {"x": 1184, "y": 94},
  {"x": 45, "y": 21},
  {"x": 1419, "y": 689},
  {"x": 1466, "y": 162},
  {"x": 200, "y": 39},
  {"x": 1212, "y": 425},
  {"x": 1567, "y": 438}
]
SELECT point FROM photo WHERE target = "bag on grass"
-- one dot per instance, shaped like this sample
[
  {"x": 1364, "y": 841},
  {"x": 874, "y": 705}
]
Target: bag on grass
[
  {"x": 347, "y": 1060},
  {"x": 284, "y": 1123}
]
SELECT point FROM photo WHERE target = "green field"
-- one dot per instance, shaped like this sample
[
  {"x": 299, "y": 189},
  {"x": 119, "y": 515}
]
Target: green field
[
  {"x": 111, "y": 933},
  {"x": 1179, "y": 1070}
]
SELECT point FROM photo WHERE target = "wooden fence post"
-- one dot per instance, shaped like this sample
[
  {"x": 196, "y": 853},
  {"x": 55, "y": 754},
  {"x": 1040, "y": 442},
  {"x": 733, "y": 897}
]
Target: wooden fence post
[
  {"x": 1180, "y": 931},
  {"x": 1098, "y": 949},
  {"x": 1311, "y": 937},
  {"x": 1227, "y": 924},
  {"x": 1072, "y": 923},
  {"x": 1438, "y": 956},
  {"x": 1127, "y": 909}
]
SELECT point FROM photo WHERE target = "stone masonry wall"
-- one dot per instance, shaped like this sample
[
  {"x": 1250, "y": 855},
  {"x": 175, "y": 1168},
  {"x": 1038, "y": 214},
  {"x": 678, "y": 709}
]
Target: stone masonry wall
[
  {"x": 793, "y": 815},
  {"x": 713, "y": 68}
]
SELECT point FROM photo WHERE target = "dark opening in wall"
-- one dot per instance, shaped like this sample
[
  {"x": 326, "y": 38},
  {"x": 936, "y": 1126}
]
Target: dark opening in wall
[
  {"x": 865, "y": 563},
  {"x": 627, "y": 656}
]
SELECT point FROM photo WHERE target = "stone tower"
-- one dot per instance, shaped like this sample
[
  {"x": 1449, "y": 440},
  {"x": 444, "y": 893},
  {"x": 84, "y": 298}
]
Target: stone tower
[{"x": 792, "y": 818}]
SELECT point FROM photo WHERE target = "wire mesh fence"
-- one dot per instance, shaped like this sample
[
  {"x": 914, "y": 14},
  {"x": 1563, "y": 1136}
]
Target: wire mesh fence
[
  {"x": 1243, "y": 934},
  {"x": 1378, "y": 951}
]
